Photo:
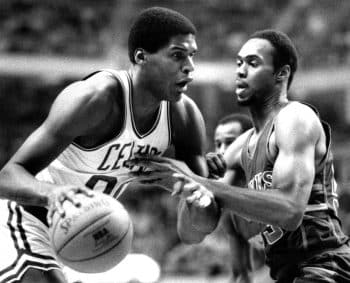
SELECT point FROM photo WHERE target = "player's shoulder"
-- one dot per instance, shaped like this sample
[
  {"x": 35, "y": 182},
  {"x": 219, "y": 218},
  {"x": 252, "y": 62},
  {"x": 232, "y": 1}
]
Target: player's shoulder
[
  {"x": 296, "y": 108},
  {"x": 185, "y": 110},
  {"x": 298, "y": 118},
  {"x": 185, "y": 104},
  {"x": 93, "y": 97},
  {"x": 99, "y": 89},
  {"x": 297, "y": 113},
  {"x": 101, "y": 84}
]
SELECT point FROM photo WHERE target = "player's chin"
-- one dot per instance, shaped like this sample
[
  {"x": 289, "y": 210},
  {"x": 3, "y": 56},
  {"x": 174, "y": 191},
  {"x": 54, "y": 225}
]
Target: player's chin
[
  {"x": 176, "y": 96},
  {"x": 243, "y": 100}
]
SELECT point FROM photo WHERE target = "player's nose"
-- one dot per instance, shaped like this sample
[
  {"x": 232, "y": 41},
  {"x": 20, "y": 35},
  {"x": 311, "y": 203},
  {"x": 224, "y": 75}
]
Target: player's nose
[
  {"x": 221, "y": 149},
  {"x": 188, "y": 65}
]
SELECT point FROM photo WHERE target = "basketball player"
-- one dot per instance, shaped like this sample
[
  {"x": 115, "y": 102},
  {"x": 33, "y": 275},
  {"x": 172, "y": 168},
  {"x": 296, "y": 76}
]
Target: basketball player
[
  {"x": 94, "y": 126},
  {"x": 288, "y": 164}
]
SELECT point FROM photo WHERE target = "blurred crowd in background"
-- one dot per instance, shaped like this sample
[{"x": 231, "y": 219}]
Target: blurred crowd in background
[
  {"x": 320, "y": 28},
  {"x": 90, "y": 29}
]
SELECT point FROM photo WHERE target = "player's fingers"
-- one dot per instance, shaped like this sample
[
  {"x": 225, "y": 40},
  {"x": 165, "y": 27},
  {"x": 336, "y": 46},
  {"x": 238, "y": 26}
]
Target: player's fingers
[
  {"x": 204, "y": 201},
  {"x": 216, "y": 164},
  {"x": 71, "y": 196},
  {"x": 49, "y": 216},
  {"x": 59, "y": 208},
  {"x": 195, "y": 196},
  {"x": 189, "y": 188},
  {"x": 150, "y": 164},
  {"x": 148, "y": 157},
  {"x": 161, "y": 162},
  {"x": 221, "y": 163},
  {"x": 177, "y": 188},
  {"x": 85, "y": 191}
]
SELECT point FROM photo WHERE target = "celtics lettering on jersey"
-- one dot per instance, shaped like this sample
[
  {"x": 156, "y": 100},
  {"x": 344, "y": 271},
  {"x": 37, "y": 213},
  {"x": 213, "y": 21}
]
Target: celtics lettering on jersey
[
  {"x": 124, "y": 152},
  {"x": 115, "y": 160},
  {"x": 105, "y": 169},
  {"x": 262, "y": 182}
]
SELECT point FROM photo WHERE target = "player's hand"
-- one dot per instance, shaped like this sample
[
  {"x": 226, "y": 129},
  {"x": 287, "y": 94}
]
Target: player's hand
[
  {"x": 216, "y": 164},
  {"x": 61, "y": 194},
  {"x": 161, "y": 171},
  {"x": 194, "y": 193},
  {"x": 161, "y": 164},
  {"x": 149, "y": 179}
]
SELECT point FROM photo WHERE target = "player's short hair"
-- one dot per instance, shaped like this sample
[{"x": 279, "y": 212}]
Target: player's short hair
[
  {"x": 154, "y": 27},
  {"x": 286, "y": 53},
  {"x": 242, "y": 119}
]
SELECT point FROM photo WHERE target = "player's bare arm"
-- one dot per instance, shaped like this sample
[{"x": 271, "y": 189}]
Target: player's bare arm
[
  {"x": 77, "y": 109},
  {"x": 296, "y": 135},
  {"x": 232, "y": 159},
  {"x": 189, "y": 140}
]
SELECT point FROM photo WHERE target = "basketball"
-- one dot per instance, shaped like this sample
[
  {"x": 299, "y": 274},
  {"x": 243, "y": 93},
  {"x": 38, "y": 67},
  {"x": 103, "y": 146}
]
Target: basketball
[{"x": 94, "y": 237}]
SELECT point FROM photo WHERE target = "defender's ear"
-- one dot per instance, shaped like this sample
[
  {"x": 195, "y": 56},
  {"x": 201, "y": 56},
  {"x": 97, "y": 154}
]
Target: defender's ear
[
  {"x": 283, "y": 73},
  {"x": 140, "y": 56}
]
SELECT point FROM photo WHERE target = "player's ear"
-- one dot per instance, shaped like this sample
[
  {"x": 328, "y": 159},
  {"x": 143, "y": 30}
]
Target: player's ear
[
  {"x": 283, "y": 73},
  {"x": 140, "y": 56}
]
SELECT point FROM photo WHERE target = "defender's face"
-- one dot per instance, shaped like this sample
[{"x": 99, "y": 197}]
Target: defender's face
[
  {"x": 170, "y": 68},
  {"x": 225, "y": 134},
  {"x": 255, "y": 71}
]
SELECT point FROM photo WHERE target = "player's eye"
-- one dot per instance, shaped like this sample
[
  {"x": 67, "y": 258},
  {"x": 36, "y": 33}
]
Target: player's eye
[
  {"x": 254, "y": 63},
  {"x": 178, "y": 55}
]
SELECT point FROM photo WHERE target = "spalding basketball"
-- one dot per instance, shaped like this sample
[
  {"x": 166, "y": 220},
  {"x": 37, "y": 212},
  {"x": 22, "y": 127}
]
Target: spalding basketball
[{"x": 94, "y": 237}]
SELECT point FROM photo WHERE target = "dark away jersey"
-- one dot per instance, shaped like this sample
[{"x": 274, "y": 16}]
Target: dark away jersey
[{"x": 320, "y": 228}]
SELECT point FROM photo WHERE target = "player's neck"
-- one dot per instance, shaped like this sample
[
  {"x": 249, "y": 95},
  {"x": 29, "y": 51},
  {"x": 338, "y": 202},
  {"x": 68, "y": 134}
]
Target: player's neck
[
  {"x": 264, "y": 111},
  {"x": 145, "y": 105},
  {"x": 144, "y": 102}
]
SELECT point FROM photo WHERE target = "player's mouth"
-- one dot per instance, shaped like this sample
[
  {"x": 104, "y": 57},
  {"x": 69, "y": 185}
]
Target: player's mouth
[
  {"x": 182, "y": 84},
  {"x": 240, "y": 86}
]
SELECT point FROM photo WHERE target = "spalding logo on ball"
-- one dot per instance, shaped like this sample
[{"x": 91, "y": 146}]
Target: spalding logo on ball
[{"x": 94, "y": 237}]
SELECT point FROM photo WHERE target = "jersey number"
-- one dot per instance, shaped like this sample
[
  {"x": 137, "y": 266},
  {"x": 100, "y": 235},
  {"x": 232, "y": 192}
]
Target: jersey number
[
  {"x": 108, "y": 180},
  {"x": 272, "y": 234}
]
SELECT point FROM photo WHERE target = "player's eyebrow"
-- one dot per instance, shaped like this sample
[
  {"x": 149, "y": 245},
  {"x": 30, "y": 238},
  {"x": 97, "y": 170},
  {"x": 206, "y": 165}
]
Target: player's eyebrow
[
  {"x": 248, "y": 57},
  {"x": 182, "y": 48}
]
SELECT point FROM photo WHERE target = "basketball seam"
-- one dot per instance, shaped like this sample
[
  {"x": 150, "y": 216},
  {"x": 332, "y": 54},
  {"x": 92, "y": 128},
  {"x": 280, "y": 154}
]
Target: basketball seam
[
  {"x": 104, "y": 252},
  {"x": 83, "y": 228}
]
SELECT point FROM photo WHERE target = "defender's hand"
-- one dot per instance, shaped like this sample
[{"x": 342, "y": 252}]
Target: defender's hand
[
  {"x": 161, "y": 164},
  {"x": 216, "y": 164},
  {"x": 194, "y": 193}
]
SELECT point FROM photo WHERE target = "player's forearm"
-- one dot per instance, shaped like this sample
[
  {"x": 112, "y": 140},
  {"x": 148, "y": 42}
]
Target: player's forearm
[
  {"x": 19, "y": 185},
  {"x": 261, "y": 206}
]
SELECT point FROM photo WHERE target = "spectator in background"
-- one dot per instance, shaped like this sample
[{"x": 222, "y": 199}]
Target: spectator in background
[{"x": 226, "y": 132}]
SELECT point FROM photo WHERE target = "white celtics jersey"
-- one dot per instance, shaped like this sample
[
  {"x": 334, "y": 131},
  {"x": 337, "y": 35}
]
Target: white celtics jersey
[{"x": 103, "y": 168}]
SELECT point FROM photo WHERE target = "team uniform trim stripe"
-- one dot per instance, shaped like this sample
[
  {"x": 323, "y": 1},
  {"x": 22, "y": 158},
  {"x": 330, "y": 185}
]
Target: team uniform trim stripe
[
  {"x": 155, "y": 124},
  {"x": 169, "y": 124},
  {"x": 24, "y": 261},
  {"x": 9, "y": 224},
  {"x": 21, "y": 230}
]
